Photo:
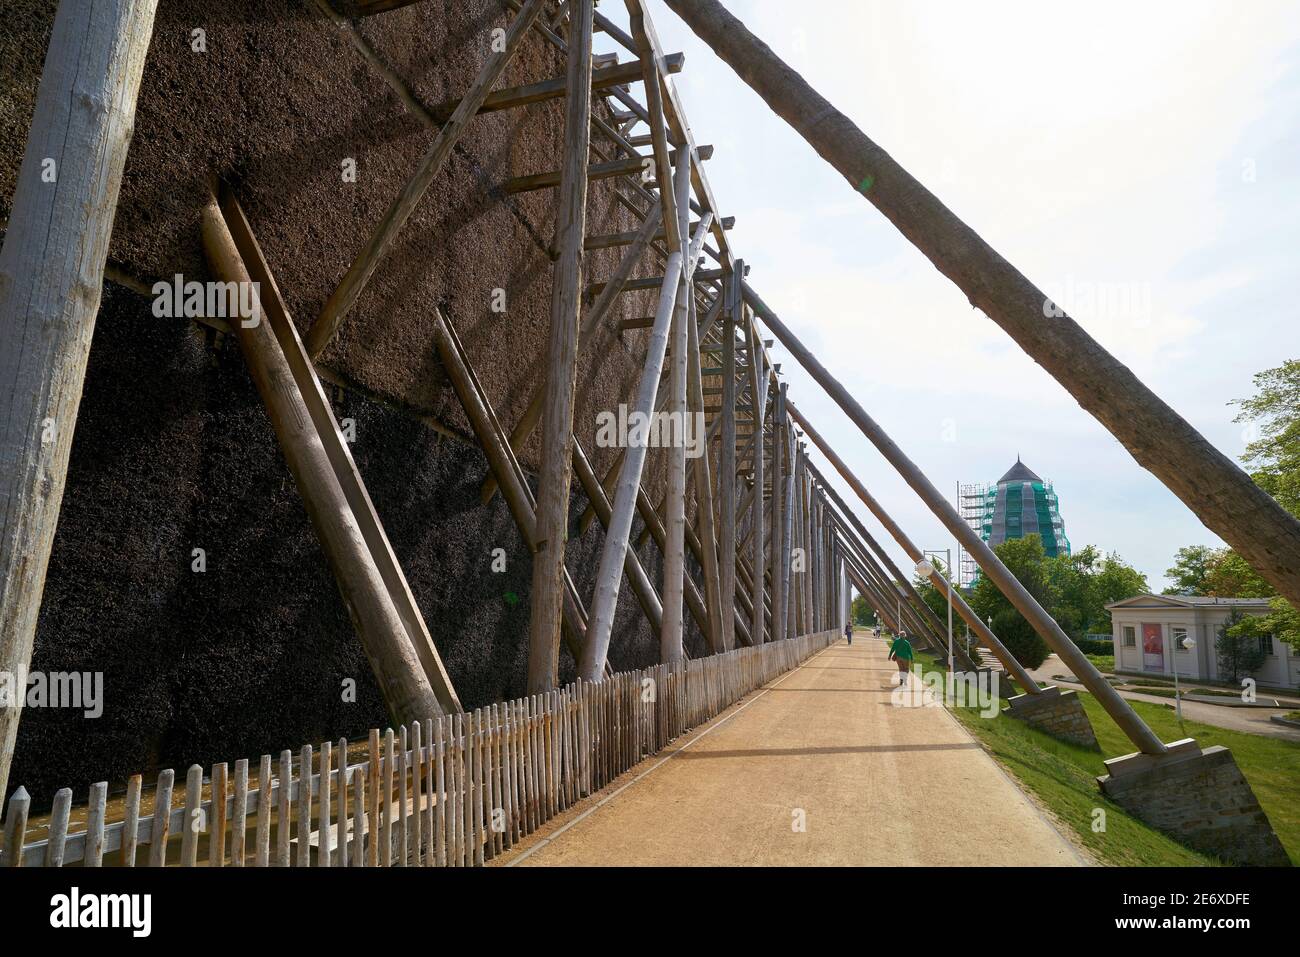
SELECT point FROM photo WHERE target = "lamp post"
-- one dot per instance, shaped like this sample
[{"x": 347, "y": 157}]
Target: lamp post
[
  {"x": 925, "y": 569},
  {"x": 1188, "y": 643}
]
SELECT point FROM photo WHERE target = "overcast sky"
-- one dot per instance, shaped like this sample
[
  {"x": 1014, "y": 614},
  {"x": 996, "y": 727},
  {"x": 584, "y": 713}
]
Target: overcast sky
[{"x": 1139, "y": 161}]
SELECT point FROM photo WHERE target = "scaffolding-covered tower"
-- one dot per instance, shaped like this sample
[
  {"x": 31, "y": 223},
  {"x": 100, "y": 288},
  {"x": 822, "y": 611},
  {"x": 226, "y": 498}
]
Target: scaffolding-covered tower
[{"x": 1019, "y": 504}]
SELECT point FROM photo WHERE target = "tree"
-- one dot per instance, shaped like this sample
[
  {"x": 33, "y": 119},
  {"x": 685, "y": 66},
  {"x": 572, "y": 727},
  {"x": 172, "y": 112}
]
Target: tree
[
  {"x": 1025, "y": 559},
  {"x": 1238, "y": 646},
  {"x": 861, "y": 612},
  {"x": 1230, "y": 576},
  {"x": 1274, "y": 414},
  {"x": 1274, "y": 454},
  {"x": 1190, "y": 568}
]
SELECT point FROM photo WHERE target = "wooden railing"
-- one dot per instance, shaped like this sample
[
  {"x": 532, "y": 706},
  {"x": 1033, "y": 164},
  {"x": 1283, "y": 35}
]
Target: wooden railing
[{"x": 453, "y": 791}]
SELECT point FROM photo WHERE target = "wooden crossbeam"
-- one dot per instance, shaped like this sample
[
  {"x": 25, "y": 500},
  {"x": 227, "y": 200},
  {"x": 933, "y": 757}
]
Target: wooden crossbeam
[
  {"x": 623, "y": 239},
  {"x": 363, "y": 267},
  {"x": 553, "y": 89},
  {"x": 552, "y": 178}
]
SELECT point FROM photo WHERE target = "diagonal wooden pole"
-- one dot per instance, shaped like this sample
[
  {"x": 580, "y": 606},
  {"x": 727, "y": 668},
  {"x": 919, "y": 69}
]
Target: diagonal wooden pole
[
  {"x": 501, "y": 461},
  {"x": 406, "y": 689},
  {"x": 562, "y": 364},
  {"x": 51, "y": 276},
  {"x": 363, "y": 267},
  {"x": 527, "y": 423},
  {"x": 1220, "y": 493},
  {"x": 628, "y": 494}
]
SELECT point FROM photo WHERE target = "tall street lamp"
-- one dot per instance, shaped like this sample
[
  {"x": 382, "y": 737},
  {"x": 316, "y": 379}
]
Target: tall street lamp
[
  {"x": 925, "y": 569},
  {"x": 1188, "y": 643}
]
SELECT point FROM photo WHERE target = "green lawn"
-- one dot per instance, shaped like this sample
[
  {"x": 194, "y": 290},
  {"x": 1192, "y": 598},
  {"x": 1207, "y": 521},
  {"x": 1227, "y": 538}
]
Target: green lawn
[
  {"x": 1104, "y": 663},
  {"x": 1063, "y": 777}
]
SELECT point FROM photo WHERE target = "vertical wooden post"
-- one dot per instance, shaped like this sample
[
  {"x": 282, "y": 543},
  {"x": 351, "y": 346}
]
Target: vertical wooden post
[
  {"x": 776, "y": 563},
  {"x": 787, "y": 525},
  {"x": 670, "y": 633},
  {"x": 51, "y": 276},
  {"x": 562, "y": 355},
  {"x": 732, "y": 313},
  {"x": 758, "y": 511},
  {"x": 706, "y": 522}
]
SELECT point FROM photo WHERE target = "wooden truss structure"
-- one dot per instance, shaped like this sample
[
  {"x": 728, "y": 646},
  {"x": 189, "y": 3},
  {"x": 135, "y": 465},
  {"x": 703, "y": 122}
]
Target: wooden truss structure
[{"x": 776, "y": 546}]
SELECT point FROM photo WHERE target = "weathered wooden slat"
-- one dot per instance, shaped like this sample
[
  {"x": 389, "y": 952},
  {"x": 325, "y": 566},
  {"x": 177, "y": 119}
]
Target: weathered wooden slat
[{"x": 194, "y": 823}]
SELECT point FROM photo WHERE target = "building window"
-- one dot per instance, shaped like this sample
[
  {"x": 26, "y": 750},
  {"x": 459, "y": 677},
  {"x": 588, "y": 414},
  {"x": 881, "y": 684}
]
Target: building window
[
  {"x": 1266, "y": 645},
  {"x": 1180, "y": 635},
  {"x": 1130, "y": 636}
]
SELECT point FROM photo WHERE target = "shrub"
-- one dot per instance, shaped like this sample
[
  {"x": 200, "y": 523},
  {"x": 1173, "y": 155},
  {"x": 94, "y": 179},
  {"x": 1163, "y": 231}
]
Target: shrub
[{"x": 1020, "y": 638}]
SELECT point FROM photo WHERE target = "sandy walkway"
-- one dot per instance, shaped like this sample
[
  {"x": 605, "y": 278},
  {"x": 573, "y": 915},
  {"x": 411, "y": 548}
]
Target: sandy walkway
[{"x": 872, "y": 784}]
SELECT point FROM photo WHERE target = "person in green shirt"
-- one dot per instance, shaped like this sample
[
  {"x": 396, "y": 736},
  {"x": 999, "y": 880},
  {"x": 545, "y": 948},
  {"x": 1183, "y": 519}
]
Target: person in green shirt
[{"x": 900, "y": 652}]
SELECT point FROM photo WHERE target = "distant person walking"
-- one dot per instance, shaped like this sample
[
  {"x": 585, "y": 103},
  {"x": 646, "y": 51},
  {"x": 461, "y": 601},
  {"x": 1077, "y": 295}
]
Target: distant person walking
[
  {"x": 900, "y": 652},
  {"x": 848, "y": 631}
]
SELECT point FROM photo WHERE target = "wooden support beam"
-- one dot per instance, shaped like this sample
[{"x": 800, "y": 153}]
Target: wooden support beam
[
  {"x": 554, "y": 89},
  {"x": 671, "y": 646},
  {"x": 733, "y": 308},
  {"x": 503, "y": 464},
  {"x": 702, "y": 474},
  {"x": 51, "y": 277},
  {"x": 523, "y": 429},
  {"x": 562, "y": 361},
  {"x": 623, "y": 239},
  {"x": 628, "y": 489},
  {"x": 339, "y": 454},
  {"x": 756, "y": 629},
  {"x": 552, "y": 178},
  {"x": 267, "y": 344},
  {"x": 646, "y": 593},
  {"x": 363, "y": 267}
]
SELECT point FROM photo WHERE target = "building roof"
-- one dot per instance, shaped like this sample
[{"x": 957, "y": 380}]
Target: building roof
[
  {"x": 1019, "y": 473},
  {"x": 1187, "y": 601}
]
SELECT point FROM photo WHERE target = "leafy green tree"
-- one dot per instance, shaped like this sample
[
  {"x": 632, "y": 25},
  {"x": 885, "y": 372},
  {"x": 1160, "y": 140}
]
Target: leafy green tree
[
  {"x": 1273, "y": 458},
  {"x": 861, "y": 612},
  {"x": 1230, "y": 576},
  {"x": 1024, "y": 558},
  {"x": 1274, "y": 412},
  {"x": 1190, "y": 570},
  {"x": 1115, "y": 581},
  {"x": 1238, "y": 647}
]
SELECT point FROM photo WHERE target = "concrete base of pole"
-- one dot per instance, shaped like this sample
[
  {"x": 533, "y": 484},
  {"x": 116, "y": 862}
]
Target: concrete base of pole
[
  {"x": 1055, "y": 712},
  {"x": 1198, "y": 797}
]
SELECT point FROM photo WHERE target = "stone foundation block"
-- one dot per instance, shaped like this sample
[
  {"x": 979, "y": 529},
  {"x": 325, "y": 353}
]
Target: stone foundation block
[
  {"x": 1199, "y": 798},
  {"x": 1056, "y": 712}
]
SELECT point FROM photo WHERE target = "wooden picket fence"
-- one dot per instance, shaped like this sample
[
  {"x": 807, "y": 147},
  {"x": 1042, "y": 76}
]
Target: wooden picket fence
[{"x": 452, "y": 791}]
